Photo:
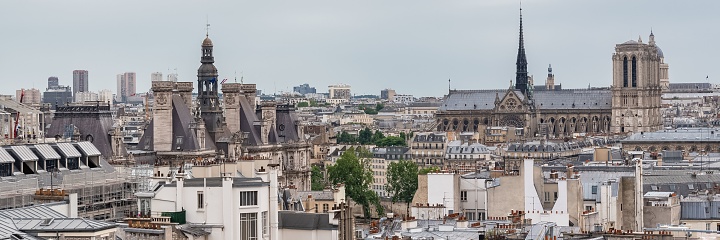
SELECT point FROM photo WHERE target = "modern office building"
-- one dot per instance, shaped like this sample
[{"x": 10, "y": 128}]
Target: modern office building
[
  {"x": 53, "y": 82},
  {"x": 156, "y": 76},
  {"x": 125, "y": 86},
  {"x": 304, "y": 89},
  {"x": 80, "y": 81}
]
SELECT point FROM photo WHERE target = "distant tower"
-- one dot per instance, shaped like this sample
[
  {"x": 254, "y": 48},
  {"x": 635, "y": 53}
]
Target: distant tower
[
  {"x": 521, "y": 73},
  {"x": 80, "y": 81},
  {"x": 156, "y": 76},
  {"x": 550, "y": 81},
  {"x": 53, "y": 82},
  {"x": 207, "y": 96},
  {"x": 636, "y": 89}
]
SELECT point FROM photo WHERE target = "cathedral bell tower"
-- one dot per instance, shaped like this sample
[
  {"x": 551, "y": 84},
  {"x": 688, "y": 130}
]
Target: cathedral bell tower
[{"x": 636, "y": 88}]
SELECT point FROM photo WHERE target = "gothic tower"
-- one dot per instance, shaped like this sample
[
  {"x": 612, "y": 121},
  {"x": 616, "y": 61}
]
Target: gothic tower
[
  {"x": 207, "y": 96},
  {"x": 636, "y": 89},
  {"x": 550, "y": 81},
  {"x": 521, "y": 74}
]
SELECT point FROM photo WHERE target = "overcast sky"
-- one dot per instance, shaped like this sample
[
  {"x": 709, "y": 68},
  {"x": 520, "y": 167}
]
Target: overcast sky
[{"x": 412, "y": 46}]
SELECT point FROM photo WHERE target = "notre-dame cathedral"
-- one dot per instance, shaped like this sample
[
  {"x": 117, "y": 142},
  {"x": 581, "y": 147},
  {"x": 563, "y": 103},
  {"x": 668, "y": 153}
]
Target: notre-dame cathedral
[{"x": 630, "y": 104}]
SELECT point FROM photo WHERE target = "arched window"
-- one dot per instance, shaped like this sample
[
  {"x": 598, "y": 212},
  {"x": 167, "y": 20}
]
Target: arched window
[
  {"x": 634, "y": 72},
  {"x": 625, "y": 72}
]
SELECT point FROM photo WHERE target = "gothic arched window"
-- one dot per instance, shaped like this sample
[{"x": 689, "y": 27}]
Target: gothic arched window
[
  {"x": 634, "y": 72},
  {"x": 625, "y": 72}
]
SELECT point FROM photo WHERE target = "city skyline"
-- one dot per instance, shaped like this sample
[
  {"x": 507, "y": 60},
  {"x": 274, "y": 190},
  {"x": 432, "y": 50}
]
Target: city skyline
[{"x": 370, "y": 46}]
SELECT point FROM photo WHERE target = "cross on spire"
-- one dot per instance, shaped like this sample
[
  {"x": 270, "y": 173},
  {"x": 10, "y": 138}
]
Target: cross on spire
[{"x": 207, "y": 26}]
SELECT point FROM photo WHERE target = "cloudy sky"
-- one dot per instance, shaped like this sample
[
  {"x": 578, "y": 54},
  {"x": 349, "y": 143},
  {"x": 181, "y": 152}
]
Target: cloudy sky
[{"x": 412, "y": 46}]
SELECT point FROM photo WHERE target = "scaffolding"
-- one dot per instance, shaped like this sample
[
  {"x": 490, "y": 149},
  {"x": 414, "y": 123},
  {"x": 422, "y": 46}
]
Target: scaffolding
[{"x": 101, "y": 195}]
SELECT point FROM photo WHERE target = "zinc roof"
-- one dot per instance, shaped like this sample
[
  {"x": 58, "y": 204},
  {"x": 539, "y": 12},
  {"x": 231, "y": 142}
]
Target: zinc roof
[
  {"x": 24, "y": 153},
  {"x": 5, "y": 157},
  {"x": 47, "y": 152},
  {"x": 89, "y": 149},
  {"x": 68, "y": 150}
]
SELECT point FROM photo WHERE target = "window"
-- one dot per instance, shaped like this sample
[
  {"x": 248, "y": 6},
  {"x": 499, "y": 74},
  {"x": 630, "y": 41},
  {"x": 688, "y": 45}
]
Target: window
[
  {"x": 556, "y": 196},
  {"x": 265, "y": 223},
  {"x": 654, "y": 188},
  {"x": 200, "y": 200},
  {"x": 547, "y": 196},
  {"x": 316, "y": 208},
  {"x": 690, "y": 186},
  {"x": 588, "y": 208},
  {"x": 325, "y": 207},
  {"x": 672, "y": 188},
  {"x": 463, "y": 196},
  {"x": 594, "y": 189},
  {"x": 248, "y": 226},
  {"x": 248, "y": 198},
  {"x": 707, "y": 226},
  {"x": 625, "y": 72},
  {"x": 707, "y": 210}
]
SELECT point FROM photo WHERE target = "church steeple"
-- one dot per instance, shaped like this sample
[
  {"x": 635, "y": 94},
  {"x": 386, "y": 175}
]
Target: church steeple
[{"x": 521, "y": 74}]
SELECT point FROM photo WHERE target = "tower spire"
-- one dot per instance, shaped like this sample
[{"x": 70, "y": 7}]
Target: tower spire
[{"x": 521, "y": 76}]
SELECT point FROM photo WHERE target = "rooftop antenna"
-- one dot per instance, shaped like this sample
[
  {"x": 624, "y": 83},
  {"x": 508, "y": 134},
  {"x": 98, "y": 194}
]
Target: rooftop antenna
[{"x": 241, "y": 78}]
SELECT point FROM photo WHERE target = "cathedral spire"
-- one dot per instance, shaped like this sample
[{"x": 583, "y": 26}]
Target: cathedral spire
[{"x": 521, "y": 77}]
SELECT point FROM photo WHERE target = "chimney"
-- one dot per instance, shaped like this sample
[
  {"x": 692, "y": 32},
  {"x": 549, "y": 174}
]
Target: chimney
[
  {"x": 570, "y": 171},
  {"x": 273, "y": 201},
  {"x": 231, "y": 108},
  {"x": 162, "y": 113},
  {"x": 179, "y": 189},
  {"x": 310, "y": 207},
  {"x": 227, "y": 203}
]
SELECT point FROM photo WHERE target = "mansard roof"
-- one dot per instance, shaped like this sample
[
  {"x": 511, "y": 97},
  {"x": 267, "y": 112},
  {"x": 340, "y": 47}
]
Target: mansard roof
[{"x": 93, "y": 122}]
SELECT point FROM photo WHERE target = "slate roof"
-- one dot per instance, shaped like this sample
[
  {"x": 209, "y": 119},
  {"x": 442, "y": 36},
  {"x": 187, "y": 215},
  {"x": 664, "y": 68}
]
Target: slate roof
[
  {"x": 457, "y": 147},
  {"x": 318, "y": 195},
  {"x": 181, "y": 118},
  {"x": 677, "y": 135},
  {"x": 573, "y": 99},
  {"x": 304, "y": 221},
  {"x": 95, "y": 121},
  {"x": 473, "y": 99},
  {"x": 430, "y": 137},
  {"x": 557, "y": 99}
]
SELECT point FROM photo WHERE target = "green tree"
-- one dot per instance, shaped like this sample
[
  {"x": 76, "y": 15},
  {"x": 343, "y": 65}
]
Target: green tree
[
  {"x": 403, "y": 135},
  {"x": 365, "y": 136},
  {"x": 391, "y": 141},
  {"x": 317, "y": 179},
  {"x": 346, "y": 138},
  {"x": 303, "y": 104},
  {"x": 402, "y": 181},
  {"x": 427, "y": 170},
  {"x": 353, "y": 170},
  {"x": 377, "y": 136},
  {"x": 379, "y": 107}
]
